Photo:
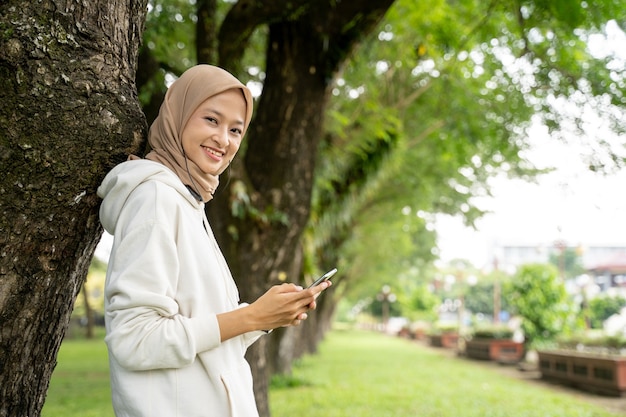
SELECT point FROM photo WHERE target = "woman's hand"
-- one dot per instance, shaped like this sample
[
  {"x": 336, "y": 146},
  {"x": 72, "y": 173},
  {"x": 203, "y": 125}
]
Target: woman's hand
[
  {"x": 285, "y": 305},
  {"x": 281, "y": 306}
]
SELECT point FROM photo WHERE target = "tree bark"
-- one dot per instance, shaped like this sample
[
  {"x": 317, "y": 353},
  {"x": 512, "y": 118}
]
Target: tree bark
[{"x": 69, "y": 112}]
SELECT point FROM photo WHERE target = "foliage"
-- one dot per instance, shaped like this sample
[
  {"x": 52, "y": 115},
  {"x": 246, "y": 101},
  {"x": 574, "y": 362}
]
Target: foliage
[
  {"x": 435, "y": 103},
  {"x": 584, "y": 341},
  {"x": 420, "y": 304},
  {"x": 379, "y": 300},
  {"x": 569, "y": 261},
  {"x": 479, "y": 299},
  {"x": 539, "y": 297},
  {"x": 492, "y": 332},
  {"x": 443, "y": 328},
  {"x": 604, "y": 306}
]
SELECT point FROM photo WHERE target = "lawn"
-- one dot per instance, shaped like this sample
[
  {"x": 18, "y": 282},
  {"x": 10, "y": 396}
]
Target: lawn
[
  {"x": 80, "y": 382},
  {"x": 358, "y": 374},
  {"x": 355, "y": 374}
]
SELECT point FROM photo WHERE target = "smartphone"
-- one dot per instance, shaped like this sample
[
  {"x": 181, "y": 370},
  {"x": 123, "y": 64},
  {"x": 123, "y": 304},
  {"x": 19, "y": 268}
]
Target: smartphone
[{"x": 324, "y": 277}]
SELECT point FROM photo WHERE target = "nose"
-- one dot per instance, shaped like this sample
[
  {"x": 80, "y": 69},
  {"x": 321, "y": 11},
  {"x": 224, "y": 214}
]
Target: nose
[{"x": 221, "y": 137}]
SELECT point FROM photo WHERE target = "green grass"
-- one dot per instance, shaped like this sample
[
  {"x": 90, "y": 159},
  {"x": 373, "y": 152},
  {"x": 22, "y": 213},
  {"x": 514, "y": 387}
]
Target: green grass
[
  {"x": 355, "y": 374},
  {"x": 358, "y": 374},
  {"x": 80, "y": 382}
]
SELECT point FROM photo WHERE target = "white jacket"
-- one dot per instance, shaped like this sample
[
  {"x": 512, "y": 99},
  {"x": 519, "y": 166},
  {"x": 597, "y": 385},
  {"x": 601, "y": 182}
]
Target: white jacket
[{"x": 166, "y": 282}]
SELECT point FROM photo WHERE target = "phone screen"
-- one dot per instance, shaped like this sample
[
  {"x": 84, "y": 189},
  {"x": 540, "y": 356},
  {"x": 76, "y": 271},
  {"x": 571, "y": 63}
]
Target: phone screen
[{"x": 324, "y": 277}]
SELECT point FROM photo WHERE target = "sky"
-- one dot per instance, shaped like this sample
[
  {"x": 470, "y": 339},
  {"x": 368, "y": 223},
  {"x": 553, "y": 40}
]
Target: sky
[{"x": 571, "y": 204}]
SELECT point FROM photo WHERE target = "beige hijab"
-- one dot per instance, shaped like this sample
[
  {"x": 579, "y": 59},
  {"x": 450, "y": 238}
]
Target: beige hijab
[{"x": 195, "y": 86}]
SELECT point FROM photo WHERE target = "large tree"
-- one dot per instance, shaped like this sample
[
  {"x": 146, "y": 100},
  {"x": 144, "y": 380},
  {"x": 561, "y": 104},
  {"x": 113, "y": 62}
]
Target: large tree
[
  {"x": 307, "y": 43},
  {"x": 69, "y": 112}
]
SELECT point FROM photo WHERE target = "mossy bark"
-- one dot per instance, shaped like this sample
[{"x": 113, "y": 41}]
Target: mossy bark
[{"x": 69, "y": 112}]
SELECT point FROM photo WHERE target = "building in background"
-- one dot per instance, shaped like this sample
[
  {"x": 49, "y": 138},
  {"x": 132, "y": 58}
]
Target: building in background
[{"x": 605, "y": 264}]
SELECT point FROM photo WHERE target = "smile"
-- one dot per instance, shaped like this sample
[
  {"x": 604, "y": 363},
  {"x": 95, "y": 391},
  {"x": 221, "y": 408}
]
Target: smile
[{"x": 212, "y": 152}]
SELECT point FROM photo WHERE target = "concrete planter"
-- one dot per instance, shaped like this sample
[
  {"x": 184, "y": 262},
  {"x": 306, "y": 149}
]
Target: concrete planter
[
  {"x": 444, "y": 340},
  {"x": 601, "y": 374},
  {"x": 498, "y": 350}
]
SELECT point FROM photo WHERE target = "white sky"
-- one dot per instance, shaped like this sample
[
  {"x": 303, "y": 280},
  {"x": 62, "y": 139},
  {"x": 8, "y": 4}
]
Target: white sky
[{"x": 570, "y": 204}]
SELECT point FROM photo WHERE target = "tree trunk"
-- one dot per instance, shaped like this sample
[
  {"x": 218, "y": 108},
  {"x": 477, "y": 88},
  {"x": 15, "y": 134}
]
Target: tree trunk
[
  {"x": 273, "y": 181},
  {"x": 69, "y": 112}
]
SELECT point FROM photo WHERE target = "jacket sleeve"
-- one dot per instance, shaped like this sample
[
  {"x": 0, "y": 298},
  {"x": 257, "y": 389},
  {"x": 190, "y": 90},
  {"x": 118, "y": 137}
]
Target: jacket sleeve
[{"x": 145, "y": 329}]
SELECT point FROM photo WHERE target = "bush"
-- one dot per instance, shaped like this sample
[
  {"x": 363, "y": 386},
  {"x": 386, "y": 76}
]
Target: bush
[
  {"x": 590, "y": 341},
  {"x": 603, "y": 307},
  {"x": 443, "y": 328},
  {"x": 492, "y": 332},
  {"x": 538, "y": 295}
]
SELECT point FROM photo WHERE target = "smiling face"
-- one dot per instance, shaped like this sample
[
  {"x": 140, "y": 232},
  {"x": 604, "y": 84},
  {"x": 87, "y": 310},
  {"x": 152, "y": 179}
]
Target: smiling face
[{"x": 212, "y": 136}]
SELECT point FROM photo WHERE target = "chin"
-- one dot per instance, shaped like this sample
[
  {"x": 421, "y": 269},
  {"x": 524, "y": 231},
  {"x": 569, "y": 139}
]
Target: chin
[{"x": 212, "y": 170}]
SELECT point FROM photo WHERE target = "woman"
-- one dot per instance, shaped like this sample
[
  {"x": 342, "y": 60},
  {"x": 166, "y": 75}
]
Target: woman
[{"x": 176, "y": 332}]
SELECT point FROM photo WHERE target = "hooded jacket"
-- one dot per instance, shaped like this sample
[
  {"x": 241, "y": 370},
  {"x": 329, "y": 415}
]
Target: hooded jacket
[{"x": 166, "y": 282}]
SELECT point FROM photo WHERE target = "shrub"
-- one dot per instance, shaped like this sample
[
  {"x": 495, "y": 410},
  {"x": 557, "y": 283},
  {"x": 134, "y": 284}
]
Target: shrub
[{"x": 492, "y": 332}]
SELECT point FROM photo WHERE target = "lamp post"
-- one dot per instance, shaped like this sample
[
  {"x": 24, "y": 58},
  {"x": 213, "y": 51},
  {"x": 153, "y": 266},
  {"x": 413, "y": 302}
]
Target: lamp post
[
  {"x": 470, "y": 281},
  {"x": 561, "y": 246},
  {"x": 496, "y": 292},
  {"x": 386, "y": 297}
]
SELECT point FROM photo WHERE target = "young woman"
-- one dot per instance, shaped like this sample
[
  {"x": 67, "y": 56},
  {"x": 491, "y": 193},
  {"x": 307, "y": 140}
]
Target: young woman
[{"x": 176, "y": 331}]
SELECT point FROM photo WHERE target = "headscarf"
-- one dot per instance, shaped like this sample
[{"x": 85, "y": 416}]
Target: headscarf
[{"x": 183, "y": 97}]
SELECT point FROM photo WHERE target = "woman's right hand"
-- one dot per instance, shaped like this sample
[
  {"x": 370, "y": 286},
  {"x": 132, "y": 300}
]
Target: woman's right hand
[
  {"x": 285, "y": 305},
  {"x": 281, "y": 306}
]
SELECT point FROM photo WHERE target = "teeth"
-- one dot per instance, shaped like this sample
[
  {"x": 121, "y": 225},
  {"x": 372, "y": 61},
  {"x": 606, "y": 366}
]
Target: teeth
[{"x": 213, "y": 152}]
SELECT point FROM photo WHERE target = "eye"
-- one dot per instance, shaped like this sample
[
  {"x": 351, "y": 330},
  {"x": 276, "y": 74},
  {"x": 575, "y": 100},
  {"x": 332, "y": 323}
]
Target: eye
[
  {"x": 211, "y": 119},
  {"x": 236, "y": 131}
]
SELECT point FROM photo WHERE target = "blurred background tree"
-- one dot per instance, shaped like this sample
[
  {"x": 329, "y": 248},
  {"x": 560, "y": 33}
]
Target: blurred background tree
[
  {"x": 538, "y": 296},
  {"x": 603, "y": 307},
  {"x": 568, "y": 260},
  {"x": 88, "y": 309}
]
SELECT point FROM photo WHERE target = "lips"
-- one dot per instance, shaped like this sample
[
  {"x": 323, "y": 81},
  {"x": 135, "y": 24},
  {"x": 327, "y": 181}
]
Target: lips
[{"x": 212, "y": 152}]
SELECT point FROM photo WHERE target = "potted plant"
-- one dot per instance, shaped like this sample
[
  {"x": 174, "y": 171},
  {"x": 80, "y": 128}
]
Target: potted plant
[
  {"x": 596, "y": 364},
  {"x": 420, "y": 329},
  {"x": 444, "y": 335},
  {"x": 494, "y": 343}
]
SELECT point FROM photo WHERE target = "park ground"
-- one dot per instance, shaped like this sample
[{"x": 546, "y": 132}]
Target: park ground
[
  {"x": 360, "y": 374},
  {"x": 532, "y": 375}
]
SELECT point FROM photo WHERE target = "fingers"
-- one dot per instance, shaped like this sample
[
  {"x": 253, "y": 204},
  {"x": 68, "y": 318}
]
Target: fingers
[
  {"x": 321, "y": 287},
  {"x": 301, "y": 317},
  {"x": 308, "y": 295},
  {"x": 287, "y": 304}
]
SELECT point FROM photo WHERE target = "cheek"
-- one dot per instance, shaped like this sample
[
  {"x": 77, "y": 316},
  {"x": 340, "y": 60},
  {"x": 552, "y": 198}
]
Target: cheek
[{"x": 234, "y": 146}]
